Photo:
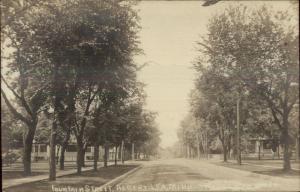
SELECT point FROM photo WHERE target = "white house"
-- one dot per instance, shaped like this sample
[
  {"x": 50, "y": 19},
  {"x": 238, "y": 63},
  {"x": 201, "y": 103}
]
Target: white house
[{"x": 41, "y": 151}]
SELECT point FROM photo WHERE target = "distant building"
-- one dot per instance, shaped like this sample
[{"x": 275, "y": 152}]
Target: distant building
[{"x": 263, "y": 147}]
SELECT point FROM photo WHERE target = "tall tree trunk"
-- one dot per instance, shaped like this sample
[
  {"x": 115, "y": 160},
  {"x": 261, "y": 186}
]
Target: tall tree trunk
[
  {"x": 57, "y": 86},
  {"x": 81, "y": 146},
  {"x": 132, "y": 151},
  {"x": 224, "y": 151},
  {"x": 116, "y": 155},
  {"x": 122, "y": 151},
  {"x": 234, "y": 146},
  {"x": 187, "y": 151},
  {"x": 57, "y": 154},
  {"x": 52, "y": 159},
  {"x": 198, "y": 147},
  {"x": 286, "y": 152},
  {"x": 27, "y": 142},
  {"x": 229, "y": 147},
  {"x": 70, "y": 122},
  {"x": 96, "y": 156},
  {"x": 286, "y": 142},
  {"x": 66, "y": 141},
  {"x": 238, "y": 139},
  {"x": 83, "y": 155},
  {"x": 106, "y": 154},
  {"x": 62, "y": 157},
  {"x": 79, "y": 155},
  {"x": 223, "y": 140},
  {"x": 63, "y": 149},
  {"x": 206, "y": 145},
  {"x": 297, "y": 147},
  {"x": 259, "y": 147},
  {"x": 286, "y": 157}
]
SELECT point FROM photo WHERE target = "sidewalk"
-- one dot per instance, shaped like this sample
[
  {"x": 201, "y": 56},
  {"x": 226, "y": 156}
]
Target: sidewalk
[
  {"x": 14, "y": 182},
  {"x": 59, "y": 173}
]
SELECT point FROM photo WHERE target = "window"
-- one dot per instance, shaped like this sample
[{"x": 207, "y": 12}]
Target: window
[
  {"x": 71, "y": 148},
  {"x": 89, "y": 149},
  {"x": 43, "y": 148},
  {"x": 36, "y": 148}
]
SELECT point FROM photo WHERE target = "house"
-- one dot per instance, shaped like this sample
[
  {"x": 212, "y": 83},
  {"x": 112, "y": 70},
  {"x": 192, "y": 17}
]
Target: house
[
  {"x": 41, "y": 151},
  {"x": 263, "y": 147}
]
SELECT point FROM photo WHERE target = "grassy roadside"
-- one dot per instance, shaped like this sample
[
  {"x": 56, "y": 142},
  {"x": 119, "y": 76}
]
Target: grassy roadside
[
  {"x": 18, "y": 174},
  {"x": 88, "y": 179},
  {"x": 38, "y": 168},
  {"x": 261, "y": 169}
]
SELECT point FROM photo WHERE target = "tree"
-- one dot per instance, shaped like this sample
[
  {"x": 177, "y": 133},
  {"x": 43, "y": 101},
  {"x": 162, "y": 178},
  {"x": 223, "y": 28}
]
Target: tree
[
  {"x": 259, "y": 49},
  {"x": 79, "y": 41},
  {"x": 23, "y": 62},
  {"x": 12, "y": 10},
  {"x": 150, "y": 141},
  {"x": 196, "y": 134},
  {"x": 215, "y": 106}
]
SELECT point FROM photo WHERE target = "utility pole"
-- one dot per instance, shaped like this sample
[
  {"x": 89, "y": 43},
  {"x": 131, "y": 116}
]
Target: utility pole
[
  {"x": 239, "y": 160},
  {"x": 132, "y": 151}
]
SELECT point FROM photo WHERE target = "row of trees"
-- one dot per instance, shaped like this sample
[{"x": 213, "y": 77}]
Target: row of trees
[
  {"x": 69, "y": 71},
  {"x": 248, "y": 73}
]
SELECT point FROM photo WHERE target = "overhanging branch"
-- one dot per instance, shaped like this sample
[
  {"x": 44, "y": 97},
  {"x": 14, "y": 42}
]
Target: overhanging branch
[{"x": 13, "y": 110}]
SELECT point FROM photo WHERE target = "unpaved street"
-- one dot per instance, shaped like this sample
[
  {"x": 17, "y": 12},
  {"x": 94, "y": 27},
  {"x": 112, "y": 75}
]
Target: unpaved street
[{"x": 200, "y": 175}]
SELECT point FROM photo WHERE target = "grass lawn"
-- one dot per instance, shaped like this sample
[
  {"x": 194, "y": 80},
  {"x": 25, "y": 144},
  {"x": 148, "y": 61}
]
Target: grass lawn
[
  {"x": 262, "y": 170},
  {"x": 38, "y": 168},
  {"x": 87, "y": 178},
  {"x": 18, "y": 174}
]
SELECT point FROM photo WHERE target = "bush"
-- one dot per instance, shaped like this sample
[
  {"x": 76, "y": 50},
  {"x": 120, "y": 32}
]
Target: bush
[{"x": 10, "y": 157}]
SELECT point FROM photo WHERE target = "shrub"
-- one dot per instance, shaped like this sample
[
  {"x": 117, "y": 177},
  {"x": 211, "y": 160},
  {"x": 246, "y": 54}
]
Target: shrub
[{"x": 10, "y": 157}]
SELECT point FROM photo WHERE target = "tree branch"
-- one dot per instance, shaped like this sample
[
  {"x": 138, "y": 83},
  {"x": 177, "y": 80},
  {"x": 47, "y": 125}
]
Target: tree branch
[
  {"x": 76, "y": 128},
  {"x": 277, "y": 121},
  {"x": 272, "y": 105},
  {"x": 10, "y": 88},
  {"x": 13, "y": 110},
  {"x": 207, "y": 47},
  {"x": 87, "y": 109}
]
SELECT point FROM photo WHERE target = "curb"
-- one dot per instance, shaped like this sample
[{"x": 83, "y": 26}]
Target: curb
[
  {"x": 44, "y": 177},
  {"x": 116, "y": 180}
]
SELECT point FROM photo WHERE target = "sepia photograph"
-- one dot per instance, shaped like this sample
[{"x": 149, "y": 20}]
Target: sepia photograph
[{"x": 150, "y": 95}]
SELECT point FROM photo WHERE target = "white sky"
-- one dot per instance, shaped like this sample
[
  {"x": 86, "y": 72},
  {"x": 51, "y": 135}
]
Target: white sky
[{"x": 168, "y": 35}]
